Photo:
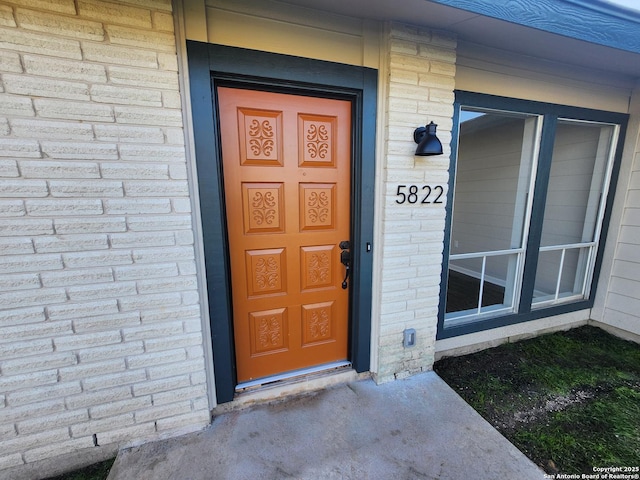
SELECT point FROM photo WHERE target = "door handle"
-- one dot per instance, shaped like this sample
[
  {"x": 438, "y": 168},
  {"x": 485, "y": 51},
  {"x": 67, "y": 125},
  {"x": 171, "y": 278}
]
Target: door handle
[{"x": 345, "y": 259}]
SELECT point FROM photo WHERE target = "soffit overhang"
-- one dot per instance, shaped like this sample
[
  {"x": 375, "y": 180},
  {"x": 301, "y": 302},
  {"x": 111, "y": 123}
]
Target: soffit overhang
[{"x": 590, "y": 34}]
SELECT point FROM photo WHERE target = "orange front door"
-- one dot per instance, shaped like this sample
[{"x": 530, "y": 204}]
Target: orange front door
[{"x": 286, "y": 162}]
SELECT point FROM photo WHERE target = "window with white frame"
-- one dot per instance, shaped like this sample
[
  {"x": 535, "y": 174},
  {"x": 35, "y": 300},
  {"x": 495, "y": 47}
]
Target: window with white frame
[{"x": 527, "y": 206}]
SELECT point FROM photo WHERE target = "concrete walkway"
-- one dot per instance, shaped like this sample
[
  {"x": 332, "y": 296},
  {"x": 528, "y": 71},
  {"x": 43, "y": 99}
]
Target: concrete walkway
[{"x": 417, "y": 428}]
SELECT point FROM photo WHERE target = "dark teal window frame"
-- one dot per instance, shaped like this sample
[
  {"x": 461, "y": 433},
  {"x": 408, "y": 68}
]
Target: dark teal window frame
[
  {"x": 213, "y": 65},
  {"x": 551, "y": 113}
]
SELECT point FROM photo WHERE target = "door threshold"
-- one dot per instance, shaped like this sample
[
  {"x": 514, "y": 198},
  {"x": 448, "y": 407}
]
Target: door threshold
[
  {"x": 294, "y": 374},
  {"x": 298, "y": 382}
]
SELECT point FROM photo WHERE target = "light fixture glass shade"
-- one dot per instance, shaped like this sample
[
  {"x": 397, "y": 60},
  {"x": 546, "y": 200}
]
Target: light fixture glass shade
[{"x": 428, "y": 142}]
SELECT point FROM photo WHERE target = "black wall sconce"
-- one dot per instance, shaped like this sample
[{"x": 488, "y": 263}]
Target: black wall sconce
[{"x": 428, "y": 143}]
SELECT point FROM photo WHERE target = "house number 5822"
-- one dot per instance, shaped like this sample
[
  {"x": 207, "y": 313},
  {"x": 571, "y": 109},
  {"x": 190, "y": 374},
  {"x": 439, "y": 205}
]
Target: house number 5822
[{"x": 422, "y": 194}]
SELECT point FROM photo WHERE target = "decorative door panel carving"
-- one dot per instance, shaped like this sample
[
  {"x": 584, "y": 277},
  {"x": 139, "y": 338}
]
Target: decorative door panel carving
[
  {"x": 317, "y": 321},
  {"x": 317, "y": 264},
  {"x": 269, "y": 331},
  {"x": 284, "y": 227},
  {"x": 263, "y": 207},
  {"x": 266, "y": 272},
  {"x": 317, "y": 206},
  {"x": 260, "y": 133},
  {"x": 316, "y": 141}
]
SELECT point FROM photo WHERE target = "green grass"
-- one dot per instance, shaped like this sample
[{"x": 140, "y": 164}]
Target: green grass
[
  {"x": 570, "y": 400},
  {"x": 98, "y": 471},
  {"x": 600, "y": 433}
]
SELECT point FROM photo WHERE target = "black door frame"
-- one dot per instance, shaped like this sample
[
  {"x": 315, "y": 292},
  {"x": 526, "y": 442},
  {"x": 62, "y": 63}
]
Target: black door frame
[{"x": 213, "y": 65}]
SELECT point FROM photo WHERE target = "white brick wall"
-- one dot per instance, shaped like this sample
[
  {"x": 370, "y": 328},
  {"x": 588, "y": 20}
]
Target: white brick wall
[
  {"x": 421, "y": 70},
  {"x": 99, "y": 321}
]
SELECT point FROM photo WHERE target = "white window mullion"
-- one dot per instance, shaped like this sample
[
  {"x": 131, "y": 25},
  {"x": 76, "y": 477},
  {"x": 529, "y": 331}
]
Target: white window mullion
[
  {"x": 564, "y": 250},
  {"x": 484, "y": 266}
]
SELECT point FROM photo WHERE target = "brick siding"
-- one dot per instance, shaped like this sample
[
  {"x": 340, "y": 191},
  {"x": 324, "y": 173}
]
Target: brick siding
[
  {"x": 100, "y": 327},
  {"x": 421, "y": 70}
]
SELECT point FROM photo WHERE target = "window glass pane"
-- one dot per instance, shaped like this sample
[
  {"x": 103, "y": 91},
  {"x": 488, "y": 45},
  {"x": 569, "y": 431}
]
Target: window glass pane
[
  {"x": 577, "y": 185},
  {"x": 576, "y": 181},
  {"x": 496, "y": 288},
  {"x": 491, "y": 206},
  {"x": 493, "y": 176},
  {"x": 463, "y": 285},
  {"x": 561, "y": 277},
  {"x": 488, "y": 277}
]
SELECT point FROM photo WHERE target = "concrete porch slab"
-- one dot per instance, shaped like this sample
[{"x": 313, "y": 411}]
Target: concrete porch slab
[{"x": 417, "y": 428}]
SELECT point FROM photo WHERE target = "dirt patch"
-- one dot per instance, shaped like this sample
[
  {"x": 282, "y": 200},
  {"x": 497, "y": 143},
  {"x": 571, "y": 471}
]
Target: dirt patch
[{"x": 553, "y": 404}]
